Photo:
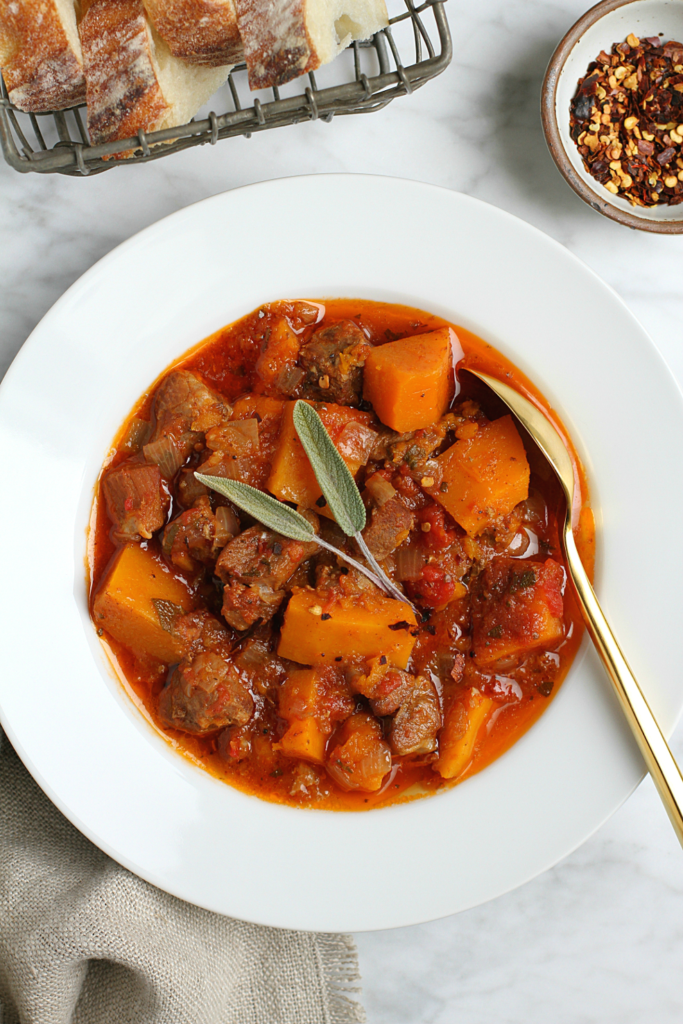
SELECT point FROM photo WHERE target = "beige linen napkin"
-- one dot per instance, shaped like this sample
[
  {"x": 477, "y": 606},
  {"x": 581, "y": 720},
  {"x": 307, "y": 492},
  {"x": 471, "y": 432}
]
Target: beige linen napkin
[{"x": 83, "y": 941}]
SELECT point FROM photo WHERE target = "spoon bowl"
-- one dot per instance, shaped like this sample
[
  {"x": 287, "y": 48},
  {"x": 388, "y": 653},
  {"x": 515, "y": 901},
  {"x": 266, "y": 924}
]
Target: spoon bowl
[{"x": 653, "y": 746}]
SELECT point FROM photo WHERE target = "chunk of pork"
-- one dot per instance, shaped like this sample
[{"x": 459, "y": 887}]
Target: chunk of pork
[
  {"x": 254, "y": 567},
  {"x": 205, "y": 694},
  {"x": 137, "y": 500},
  {"x": 333, "y": 361}
]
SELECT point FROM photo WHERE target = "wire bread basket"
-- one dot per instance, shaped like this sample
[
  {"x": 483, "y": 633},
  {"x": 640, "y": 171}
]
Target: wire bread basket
[{"x": 415, "y": 48}]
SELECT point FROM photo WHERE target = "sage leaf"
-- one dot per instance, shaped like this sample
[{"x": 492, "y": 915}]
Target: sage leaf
[
  {"x": 269, "y": 511},
  {"x": 331, "y": 472},
  {"x": 390, "y": 588},
  {"x": 285, "y": 521}
]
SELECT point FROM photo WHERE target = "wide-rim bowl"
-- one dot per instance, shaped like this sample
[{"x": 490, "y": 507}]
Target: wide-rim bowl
[{"x": 101, "y": 346}]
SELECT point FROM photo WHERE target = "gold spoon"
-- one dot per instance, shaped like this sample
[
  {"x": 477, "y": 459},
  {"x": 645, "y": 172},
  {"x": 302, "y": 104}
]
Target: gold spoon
[{"x": 654, "y": 748}]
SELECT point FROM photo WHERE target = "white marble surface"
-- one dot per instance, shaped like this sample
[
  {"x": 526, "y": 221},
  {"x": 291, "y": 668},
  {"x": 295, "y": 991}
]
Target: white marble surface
[{"x": 600, "y": 937}]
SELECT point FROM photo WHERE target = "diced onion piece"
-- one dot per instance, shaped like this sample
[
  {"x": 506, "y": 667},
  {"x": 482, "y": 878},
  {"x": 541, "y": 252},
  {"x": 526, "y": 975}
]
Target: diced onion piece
[
  {"x": 356, "y": 442},
  {"x": 308, "y": 312},
  {"x": 227, "y": 525},
  {"x": 136, "y": 435},
  {"x": 299, "y": 309},
  {"x": 207, "y": 681},
  {"x": 254, "y": 654},
  {"x": 249, "y": 429},
  {"x": 519, "y": 544},
  {"x": 288, "y": 379},
  {"x": 534, "y": 509},
  {"x": 457, "y": 355},
  {"x": 505, "y": 664},
  {"x": 379, "y": 489},
  {"x": 409, "y": 561},
  {"x": 238, "y": 437},
  {"x": 226, "y": 466},
  {"x": 188, "y": 488},
  {"x": 164, "y": 454}
]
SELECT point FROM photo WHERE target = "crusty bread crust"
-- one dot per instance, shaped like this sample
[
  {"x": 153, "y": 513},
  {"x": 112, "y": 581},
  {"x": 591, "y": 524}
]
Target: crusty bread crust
[
  {"x": 40, "y": 54},
  {"x": 123, "y": 91},
  {"x": 200, "y": 32},
  {"x": 134, "y": 83},
  {"x": 277, "y": 47},
  {"x": 286, "y": 38}
]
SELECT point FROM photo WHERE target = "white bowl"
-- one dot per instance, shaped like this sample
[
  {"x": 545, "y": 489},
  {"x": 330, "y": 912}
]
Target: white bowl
[
  {"x": 99, "y": 348},
  {"x": 607, "y": 23}
]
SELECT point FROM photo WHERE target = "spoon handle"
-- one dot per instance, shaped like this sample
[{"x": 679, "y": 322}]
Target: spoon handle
[{"x": 654, "y": 748}]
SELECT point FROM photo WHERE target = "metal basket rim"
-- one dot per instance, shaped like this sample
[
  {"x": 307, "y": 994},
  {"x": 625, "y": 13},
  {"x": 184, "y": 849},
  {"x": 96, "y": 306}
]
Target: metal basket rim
[{"x": 365, "y": 94}]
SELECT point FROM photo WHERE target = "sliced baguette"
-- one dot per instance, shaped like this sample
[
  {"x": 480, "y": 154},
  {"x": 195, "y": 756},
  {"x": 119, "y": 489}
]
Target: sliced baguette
[
  {"x": 198, "y": 31},
  {"x": 133, "y": 81},
  {"x": 286, "y": 38},
  {"x": 40, "y": 54}
]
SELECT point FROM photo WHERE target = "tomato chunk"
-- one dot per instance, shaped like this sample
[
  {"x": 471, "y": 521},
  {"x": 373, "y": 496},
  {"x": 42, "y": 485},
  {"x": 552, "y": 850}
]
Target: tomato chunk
[
  {"x": 517, "y": 606},
  {"x": 435, "y": 587},
  {"x": 441, "y": 532}
]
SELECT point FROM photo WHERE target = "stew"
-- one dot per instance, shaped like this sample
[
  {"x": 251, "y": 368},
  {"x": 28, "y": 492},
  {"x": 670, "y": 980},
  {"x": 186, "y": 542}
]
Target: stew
[{"x": 271, "y": 662}]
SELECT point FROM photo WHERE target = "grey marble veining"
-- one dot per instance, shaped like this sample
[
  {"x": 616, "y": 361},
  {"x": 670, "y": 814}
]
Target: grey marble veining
[
  {"x": 599, "y": 939},
  {"x": 596, "y": 940}
]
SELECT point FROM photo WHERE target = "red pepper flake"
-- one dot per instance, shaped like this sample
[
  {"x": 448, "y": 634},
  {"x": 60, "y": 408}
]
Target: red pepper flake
[{"x": 627, "y": 120}]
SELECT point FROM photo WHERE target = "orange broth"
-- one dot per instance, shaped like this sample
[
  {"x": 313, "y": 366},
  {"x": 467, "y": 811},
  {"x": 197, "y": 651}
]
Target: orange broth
[{"x": 225, "y": 362}]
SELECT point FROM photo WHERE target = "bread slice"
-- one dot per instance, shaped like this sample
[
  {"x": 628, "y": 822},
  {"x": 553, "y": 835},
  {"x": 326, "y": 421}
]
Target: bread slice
[
  {"x": 40, "y": 54},
  {"x": 286, "y": 38},
  {"x": 133, "y": 82},
  {"x": 198, "y": 31}
]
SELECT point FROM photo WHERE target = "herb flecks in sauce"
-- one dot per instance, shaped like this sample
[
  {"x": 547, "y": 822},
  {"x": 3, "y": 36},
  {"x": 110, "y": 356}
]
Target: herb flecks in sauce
[{"x": 243, "y": 643}]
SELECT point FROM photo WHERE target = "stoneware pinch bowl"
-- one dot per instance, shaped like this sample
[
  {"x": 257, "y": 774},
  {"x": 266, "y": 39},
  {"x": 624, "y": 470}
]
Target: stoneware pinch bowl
[{"x": 607, "y": 23}]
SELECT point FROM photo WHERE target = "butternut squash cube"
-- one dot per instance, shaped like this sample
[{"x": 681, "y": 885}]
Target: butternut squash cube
[
  {"x": 346, "y": 629},
  {"x": 312, "y": 700},
  {"x": 410, "y": 381},
  {"x": 299, "y": 695},
  {"x": 483, "y": 477},
  {"x": 304, "y": 739},
  {"x": 292, "y": 477},
  {"x": 124, "y": 605},
  {"x": 280, "y": 349},
  {"x": 457, "y": 740}
]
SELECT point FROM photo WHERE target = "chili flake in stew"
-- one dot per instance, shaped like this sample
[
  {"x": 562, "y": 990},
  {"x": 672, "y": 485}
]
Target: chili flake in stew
[{"x": 272, "y": 662}]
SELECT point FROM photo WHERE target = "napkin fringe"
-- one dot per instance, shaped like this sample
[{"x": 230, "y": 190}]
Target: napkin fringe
[{"x": 338, "y": 961}]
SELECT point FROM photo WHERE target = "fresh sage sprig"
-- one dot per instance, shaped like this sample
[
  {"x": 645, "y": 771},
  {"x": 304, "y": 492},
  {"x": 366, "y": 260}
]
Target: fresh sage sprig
[
  {"x": 277, "y": 516},
  {"x": 338, "y": 486},
  {"x": 267, "y": 510},
  {"x": 331, "y": 472}
]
